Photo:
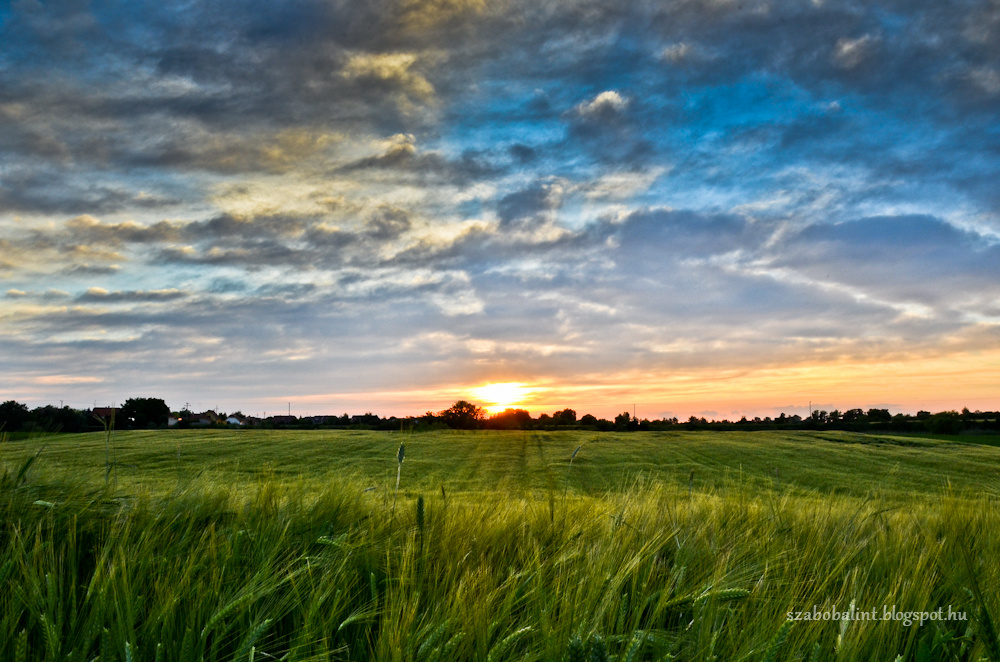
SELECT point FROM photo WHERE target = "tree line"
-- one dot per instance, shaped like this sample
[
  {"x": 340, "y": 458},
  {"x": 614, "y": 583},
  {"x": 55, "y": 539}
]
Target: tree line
[{"x": 145, "y": 413}]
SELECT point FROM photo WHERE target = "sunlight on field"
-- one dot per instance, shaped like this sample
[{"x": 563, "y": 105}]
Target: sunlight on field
[{"x": 257, "y": 545}]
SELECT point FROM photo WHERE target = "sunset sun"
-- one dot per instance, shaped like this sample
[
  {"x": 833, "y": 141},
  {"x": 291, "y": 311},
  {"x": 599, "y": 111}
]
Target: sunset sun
[{"x": 501, "y": 396}]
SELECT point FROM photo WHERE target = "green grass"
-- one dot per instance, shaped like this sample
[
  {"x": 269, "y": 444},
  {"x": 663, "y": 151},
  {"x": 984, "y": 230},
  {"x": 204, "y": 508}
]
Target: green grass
[
  {"x": 521, "y": 462},
  {"x": 261, "y": 545}
]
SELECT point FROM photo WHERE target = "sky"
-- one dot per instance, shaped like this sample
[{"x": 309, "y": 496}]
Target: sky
[{"x": 691, "y": 207}]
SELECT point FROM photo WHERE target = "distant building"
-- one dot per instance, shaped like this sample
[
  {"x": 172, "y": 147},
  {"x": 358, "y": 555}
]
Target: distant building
[
  {"x": 236, "y": 419},
  {"x": 106, "y": 414},
  {"x": 205, "y": 418}
]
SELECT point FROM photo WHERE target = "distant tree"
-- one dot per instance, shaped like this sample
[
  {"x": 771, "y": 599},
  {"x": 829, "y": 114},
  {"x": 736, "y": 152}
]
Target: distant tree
[
  {"x": 881, "y": 415},
  {"x": 624, "y": 421},
  {"x": 588, "y": 419},
  {"x": 604, "y": 425},
  {"x": 854, "y": 415},
  {"x": 55, "y": 419},
  {"x": 510, "y": 419},
  {"x": 13, "y": 416},
  {"x": 946, "y": 422},
  {"x": 145, "y": 412},
  {"x": 819, "y": 416},
  {"x": 463, "y": 415},
  {"x": 565, "y": 417}
]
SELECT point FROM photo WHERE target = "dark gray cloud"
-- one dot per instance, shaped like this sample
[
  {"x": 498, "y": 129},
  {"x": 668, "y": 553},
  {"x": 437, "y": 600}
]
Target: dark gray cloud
[
  {"x": 98, "y": 295},
  {"x": 532, "y": 204},
  {"x": 403, "y": 157}
]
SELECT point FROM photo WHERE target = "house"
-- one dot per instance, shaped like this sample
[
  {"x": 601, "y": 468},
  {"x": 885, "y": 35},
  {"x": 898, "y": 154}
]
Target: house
[
  {"x": 365, "y": 419},
  {"x": 236, "y": 419},
  {"x": 107, "y": 414},
  {"x": 205, "y": 418}
]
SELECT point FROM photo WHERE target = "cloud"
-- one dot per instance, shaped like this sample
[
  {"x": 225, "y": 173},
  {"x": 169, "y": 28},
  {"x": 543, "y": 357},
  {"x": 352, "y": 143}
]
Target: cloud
[
  {"x": 564, "y": 189},
  {"x": 987, "y": 79},
  {"x": 534, "y": 204},
  {"x": 850, "y": 53},
  {"x": 401, "y": 155},
  {"x": 387, "y": 223},
  {"x": 97, "y": 294},
  {"x": 676, "y": 53},
  {"x": 931, "y": 263},
  {"x": 605, "y": 107},
  {"x": 391, "y": 71},
  {"x": 63, "y": 380}
]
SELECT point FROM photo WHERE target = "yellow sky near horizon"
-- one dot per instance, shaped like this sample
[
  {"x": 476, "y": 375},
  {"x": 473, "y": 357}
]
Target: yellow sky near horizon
[{"x": 932, "y": 383}]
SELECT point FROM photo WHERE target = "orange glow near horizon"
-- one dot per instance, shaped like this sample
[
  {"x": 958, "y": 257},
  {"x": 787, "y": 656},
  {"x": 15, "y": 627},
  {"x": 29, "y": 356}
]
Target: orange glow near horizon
[
  {"x": 500, "y": 396},
  {"x": 909, "y": 384}
]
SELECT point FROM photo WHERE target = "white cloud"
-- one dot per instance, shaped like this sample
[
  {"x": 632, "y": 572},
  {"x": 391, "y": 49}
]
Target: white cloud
[
  {"x": 987, "y": 79},
  {"x": 605, "y": 104},
  {"x": 676, "y": 53},
  {"x": 849, "y": 53}
]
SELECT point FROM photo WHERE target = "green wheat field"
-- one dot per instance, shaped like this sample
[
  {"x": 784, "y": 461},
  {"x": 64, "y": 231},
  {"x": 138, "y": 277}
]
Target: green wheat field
[{"x": 204, "y": 545}]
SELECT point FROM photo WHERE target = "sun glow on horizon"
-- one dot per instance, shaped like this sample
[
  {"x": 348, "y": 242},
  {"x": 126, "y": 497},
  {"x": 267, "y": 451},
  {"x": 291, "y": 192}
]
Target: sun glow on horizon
[{"x": 500, "y": 396}]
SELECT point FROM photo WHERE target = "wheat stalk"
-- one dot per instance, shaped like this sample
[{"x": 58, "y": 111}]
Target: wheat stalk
[{"x": 400, "y": 456}]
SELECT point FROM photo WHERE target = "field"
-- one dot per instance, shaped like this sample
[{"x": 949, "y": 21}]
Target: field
[{"x": 256, "y": 545}]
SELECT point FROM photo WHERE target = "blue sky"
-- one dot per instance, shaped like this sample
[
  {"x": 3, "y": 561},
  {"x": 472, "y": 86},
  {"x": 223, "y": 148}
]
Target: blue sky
[{"x": 701, "y": 206}]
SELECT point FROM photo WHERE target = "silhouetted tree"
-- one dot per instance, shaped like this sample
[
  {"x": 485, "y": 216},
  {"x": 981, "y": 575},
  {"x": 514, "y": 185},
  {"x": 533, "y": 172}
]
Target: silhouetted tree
[
  {"x": 463, "y": 415},
  {"x": 624, "y": 421},
  {"x": 145, "y": 412},
  {"x": 564, "y": 417},
  {"x": 945, "y": 422},
  {"x": 510, "y": 419},
  {"x": 55, "y": 419},
  {"x": 881, "y": 415},
  {"x": 13, "y": 415}
]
